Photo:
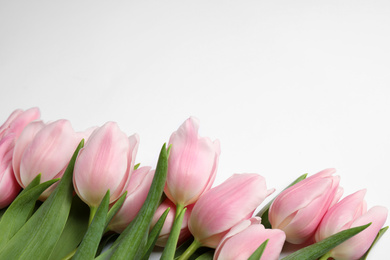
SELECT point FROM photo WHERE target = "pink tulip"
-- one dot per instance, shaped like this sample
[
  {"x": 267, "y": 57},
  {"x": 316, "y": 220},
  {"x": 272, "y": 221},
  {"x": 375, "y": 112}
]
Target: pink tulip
[
  {"x": 137, "y": 191},
  {"x": 44, "y": 149},
  {"x": 222, "y": 207},
  {"x": 18, "y": 120},
  {"x": 352, "y": 212},
  {"x": 192, "y": 164},
  {"x": 9, "y": 187},
  {"x": 105, "y": 163},
  {"x": 9, "y": 133},
  {"x": 299, "y": 209},
  {"x": 244, "y": 238},
  {"x": 164, "y": 234}
]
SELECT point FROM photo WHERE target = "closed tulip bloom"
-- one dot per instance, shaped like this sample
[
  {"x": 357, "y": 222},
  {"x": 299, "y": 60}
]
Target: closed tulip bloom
[
  {"x": 9, "y": 132},
  {"x": 137, "y": 191},
  {"x": 348, "y": 213},
  {"x": 18, "y": 120},
  {"x": 244, "y": 238},
  {"x": 9, "y": 187},
  {"x": 192, "y": 164},
  {"x": 44, "y": 149},
  {"x": 225, "y": 205},
  {"x": 105, "y": 163},
  {"x": 299, "y": 209},
  {"x": 166, "y": 229}
]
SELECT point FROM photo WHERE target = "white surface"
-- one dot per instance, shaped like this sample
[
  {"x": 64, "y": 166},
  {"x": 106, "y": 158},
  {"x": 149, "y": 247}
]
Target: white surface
[{"x": 289, "y": 87}]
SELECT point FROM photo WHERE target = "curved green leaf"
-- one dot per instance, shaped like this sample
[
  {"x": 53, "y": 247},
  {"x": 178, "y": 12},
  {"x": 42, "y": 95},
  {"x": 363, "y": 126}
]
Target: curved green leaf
[
  {"x": 319, "y": 249},
  {"x": 259, "y": 251},
  {"x": 38, "y": 237},
  {"x": 21, "y": 208}
]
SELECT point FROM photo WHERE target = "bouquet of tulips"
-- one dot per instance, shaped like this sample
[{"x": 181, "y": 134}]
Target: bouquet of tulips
[{"x": 80, "y": 195}]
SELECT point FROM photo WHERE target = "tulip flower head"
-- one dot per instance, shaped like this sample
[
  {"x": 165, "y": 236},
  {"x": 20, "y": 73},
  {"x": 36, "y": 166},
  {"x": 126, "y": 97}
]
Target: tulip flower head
[
  {"x": 299, "y": 209},
  {"x": 18, "y": 120},
  {"x": 244, "y": 238},
  {"x": 348, "y": 213},
  {"x": 225, "y": 205},
  {"x": 137, "y": 191},
  {"x": 105, "y": 163},
  {"x": 44, "y": 149},
  {"x": 192, "y": 164},
  {"x": 10, "y": 131}
]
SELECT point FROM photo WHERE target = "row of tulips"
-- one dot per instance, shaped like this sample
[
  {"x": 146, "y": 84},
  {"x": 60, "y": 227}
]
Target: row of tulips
[{"x": 197, "y": 215}]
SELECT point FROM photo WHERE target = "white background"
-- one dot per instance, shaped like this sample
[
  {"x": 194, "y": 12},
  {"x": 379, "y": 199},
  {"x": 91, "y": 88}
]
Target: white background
[{"x": 288, "y": 87}]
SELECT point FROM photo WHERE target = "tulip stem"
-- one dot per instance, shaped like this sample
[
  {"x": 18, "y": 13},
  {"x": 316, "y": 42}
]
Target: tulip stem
[
  {"x": 325, "y": 257},
  {"x": 92, "y": 212},
  {"x": 190, "y": 250}
]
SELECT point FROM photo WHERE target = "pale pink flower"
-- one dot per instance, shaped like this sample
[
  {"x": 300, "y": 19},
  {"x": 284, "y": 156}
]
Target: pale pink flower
[
  {"x": 192, "y": 164},
  {"x": 299, "y": 209},
  {"x": 44, "y": 149},
  {"x": 352, "y": 212},
  {"x": 225, "y": 205},
  {"x": 137, "y": 191},
  {"x": 244, "y": 238},
  {"x": 105, "y": 163}
]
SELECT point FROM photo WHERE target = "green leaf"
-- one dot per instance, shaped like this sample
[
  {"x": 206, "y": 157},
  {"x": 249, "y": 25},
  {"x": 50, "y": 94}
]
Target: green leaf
[
  {"x": 74, "y": 231},
  {"x": 206, "y": 256},
  {"x": 263, "y": 213},
  {"x": 319, "y": 249},
  {"x": 131, "y": 240},
  {"x": 259, "y": 251},
  {"x": 170, "y": 247},
  {"x": 38, "y": 237},
  {"x": 378, "y": 236},
  {"x": 153, "y": 236},
  {"x": 114, "y": 209},
  {"x": 90, "y": 243},
  {"x": 21, "y": 209}
]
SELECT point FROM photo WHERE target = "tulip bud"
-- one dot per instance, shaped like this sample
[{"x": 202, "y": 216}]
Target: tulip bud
[
  {"x": 348, "y": 213},
  {"x": 225, "y": 205},
  {"x": 105, "y": 163},
  {"x": 192, "y": 164},
  {"x": 299, "y": 209},
  {"x": 9, "y": 133},
  {"x": 44, "y": 149},
  {"x": 244, "y": 238},
  {"x": 137, "y": 191},
  {"x": 18, "y": 120},
  {"x": 166, "y": 229},
  {"x": 9, "y": 187}
]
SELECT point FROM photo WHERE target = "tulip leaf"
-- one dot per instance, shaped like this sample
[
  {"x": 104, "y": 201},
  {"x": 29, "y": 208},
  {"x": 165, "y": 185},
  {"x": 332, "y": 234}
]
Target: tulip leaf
[
  {"x": 74, "y": 231},
  {"x": 319, "y": 249},
  {"x": 132, "y": 238},
  {"x": 259, "y": 251},
  {"x": 38, "y": 236},
  {"x": 90, "y": 243},
  {"x": 153, "y": 235},
  {"x": 378, "y": 236},
  {"x": 114, "y": 209},
  {"x": 206, "y": 256},
  {"x": 263, "y": 213},
  {"x": 21, "y": 209},
  {"x": 170, "y": 247}
]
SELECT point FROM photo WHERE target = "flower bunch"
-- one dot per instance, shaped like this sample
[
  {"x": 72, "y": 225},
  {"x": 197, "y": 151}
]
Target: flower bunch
[{"x": 79, "y": 195}]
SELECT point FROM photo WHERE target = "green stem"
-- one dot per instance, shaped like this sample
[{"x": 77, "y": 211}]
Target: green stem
[
  {"x": 190, "y": 250},
  {"x": 326, "y": 256},
  {"x": 92, "y": 213},
  {"x": 170, "y": 247}
]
